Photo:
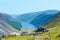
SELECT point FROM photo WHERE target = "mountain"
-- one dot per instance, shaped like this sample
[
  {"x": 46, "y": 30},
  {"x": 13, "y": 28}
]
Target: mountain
[
  {"x": 5, "y": 16},
  {"x": 53, "y": 27},
  {"x": 29, "y": 16},
  {"x": 36, "y": 18},
  {"x": 25, "y": 17},
  {"x": 10, "y": 20},
  {"x": 6, "y": 28},
  {"x": 8, "y": 25},
  {"x": 55, "y": 22},
  {"x": 43, "y": 18}
]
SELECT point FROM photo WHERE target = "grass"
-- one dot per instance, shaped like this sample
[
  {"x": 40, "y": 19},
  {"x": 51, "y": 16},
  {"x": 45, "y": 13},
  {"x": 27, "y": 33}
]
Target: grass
[{"x": 52, "y": 34}]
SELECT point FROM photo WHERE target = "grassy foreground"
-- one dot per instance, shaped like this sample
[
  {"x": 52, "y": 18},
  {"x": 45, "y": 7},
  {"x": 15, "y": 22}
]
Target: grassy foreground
[{"x": 52, "y": 34}]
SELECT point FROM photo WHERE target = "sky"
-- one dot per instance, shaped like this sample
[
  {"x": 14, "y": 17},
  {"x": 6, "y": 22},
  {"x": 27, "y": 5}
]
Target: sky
[{"x": 26, "y": 6}]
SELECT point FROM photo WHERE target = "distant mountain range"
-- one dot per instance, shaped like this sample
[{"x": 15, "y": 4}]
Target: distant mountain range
[
  {"x": 36, "y": 18},
  {"x": 27, "y": 22}
]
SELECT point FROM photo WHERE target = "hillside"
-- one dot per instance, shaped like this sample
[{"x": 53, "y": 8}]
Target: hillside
[
  {"x": 36, "y": 18},
  {"x": 8, "y": 25},
  {"x": 6, "y": 28},
  {"x": 53, "y": 22},
  {"x": 7, "y": 18},
  {"x": 28, "y": 17}
]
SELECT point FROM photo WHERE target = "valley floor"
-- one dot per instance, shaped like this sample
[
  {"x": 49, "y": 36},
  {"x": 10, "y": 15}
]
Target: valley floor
[{"x": 52, "y": 34}]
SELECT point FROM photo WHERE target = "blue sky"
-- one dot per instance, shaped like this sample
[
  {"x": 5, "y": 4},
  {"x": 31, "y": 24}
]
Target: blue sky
[{"x": 26, "y": 6}]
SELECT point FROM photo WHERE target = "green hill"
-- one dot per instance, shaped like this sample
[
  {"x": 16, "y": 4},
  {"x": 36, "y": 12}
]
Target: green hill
[
  {"x": 7, "y": 18},
  {"x": 53, "y": 22},
  {"x": 14, "y": 24}
]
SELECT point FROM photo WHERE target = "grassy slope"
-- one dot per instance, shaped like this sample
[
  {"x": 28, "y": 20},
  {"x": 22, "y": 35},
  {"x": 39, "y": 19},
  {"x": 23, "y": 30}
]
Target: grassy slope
[
  {"x": 52, "y": 34},
  {"x": 14, "y": 24},
  {"x": 53, "y": 22}
]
